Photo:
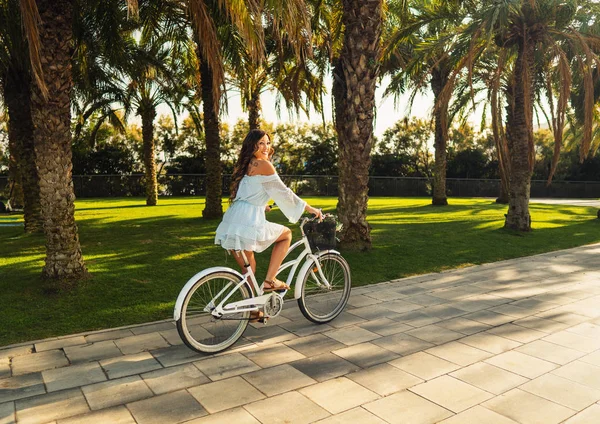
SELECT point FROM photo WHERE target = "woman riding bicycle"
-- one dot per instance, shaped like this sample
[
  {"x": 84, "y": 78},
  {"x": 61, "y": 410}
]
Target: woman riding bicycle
[{"x": 244, "y": 226}]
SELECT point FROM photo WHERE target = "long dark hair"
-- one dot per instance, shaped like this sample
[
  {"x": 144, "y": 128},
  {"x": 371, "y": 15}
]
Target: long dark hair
[{"x": 249, "y": 147}]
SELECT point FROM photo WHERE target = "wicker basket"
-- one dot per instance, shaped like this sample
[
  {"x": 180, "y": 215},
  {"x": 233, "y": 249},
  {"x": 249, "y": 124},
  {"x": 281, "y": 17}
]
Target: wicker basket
[{"x": 321, "y": 235}]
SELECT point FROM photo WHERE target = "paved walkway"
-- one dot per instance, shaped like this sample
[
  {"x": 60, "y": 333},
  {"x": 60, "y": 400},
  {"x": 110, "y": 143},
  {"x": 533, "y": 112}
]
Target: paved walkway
[{"x": 514, "y": 341}]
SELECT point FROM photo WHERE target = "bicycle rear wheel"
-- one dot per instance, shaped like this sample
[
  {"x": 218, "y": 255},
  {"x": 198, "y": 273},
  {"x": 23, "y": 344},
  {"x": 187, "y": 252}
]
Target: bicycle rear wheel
[
  {"x": 198, "y": 328},
  {"x": 319, "y": 303}
]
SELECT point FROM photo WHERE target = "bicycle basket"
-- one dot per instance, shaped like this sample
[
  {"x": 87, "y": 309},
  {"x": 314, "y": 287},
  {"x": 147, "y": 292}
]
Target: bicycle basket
[{"x": 321, "y": 235}]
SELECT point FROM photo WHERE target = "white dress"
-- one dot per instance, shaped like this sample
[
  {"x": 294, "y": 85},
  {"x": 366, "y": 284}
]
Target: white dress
[{"x": 244, "y": 226}]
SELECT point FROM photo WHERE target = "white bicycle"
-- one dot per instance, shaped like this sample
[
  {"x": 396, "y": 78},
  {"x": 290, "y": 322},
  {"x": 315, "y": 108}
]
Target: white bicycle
[{"x": 213, "y": 308}]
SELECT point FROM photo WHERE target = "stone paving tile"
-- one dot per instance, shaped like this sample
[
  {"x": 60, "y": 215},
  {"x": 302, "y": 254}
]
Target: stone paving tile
[
  {"x": 424, "y": 365},
  {"x": 92, "y": 352},
  {"x": 172, "y": 337},
  {"x": 534, "y": 304},
  {"x": 116, "y": 392},
  {"x": 373, "y": 312},
  {"x": 580, "y": 372},
  {"x": 143, "y": 342},
  {"x": 313, "y": 345},
  {"x": 352, "y": 335},
  {"x": 592, "y": 358},
  {"x": 73, "y": 376},
  {"x": 385, "y": 326},
  {"x": 489, "y": 378},
  {"x": 490, "y": 343},
  {"x": 59, "y": 343},
  {"x": 177, "y": 355},
  {"x": 589, "y": 415},
  {"x": 324, "y": 367},
  {"x": 21, "y": 386},
  {"x": 443, "y": 312},
  {"x": 108, "y": 335},
  {"x": 16, "y": 351},
  {"x": 426, "y": 300},
  {"x": 41, "y": 409},
  {"x": 478, "y": 414},
  {"x": 459, "y": 353},
  {"x": 170, "y": 408},
  {"x": 153, "y": 328},
  {"x": 416, "y": 319},
  {"x": 268, "y": 335},
  {"x": 338, "y": 395},
  {"x": 470, "y": 305},
  {"x": 562, "y": 391},
  {"x": 272, "y": 355},
  {"x": 464, "y": 326},
  {"x": 277, "y": 380},
  {"x": 225, "y": 394},
  {"x": 451, "y": 393},
  {"x": 123, "y": 366},
  {"x": 358, "y": 301},
  {"x": 5, "y": 368},
  {"x": 397, "y": 306},
  {"x": 434, "y": 334},
  {"x": 225, "y": 366},
  {"x": 356, "y": 415},
  {"x": 402, "y": 343},
  {"x": 574, "y": 341},
  {"x": 366, "y": 354},
  {"x": 174, "y": 378},
  {"x": 389, "y": 294},
  {"x": 288, "y": 408},
  {"x": 38, "y": 362},
  {"x": 406, "y": 407},
  {"x": 116, "y": 415},
  {"x": 512, "y": 311},
  {"x": 489, "y": 317},
  {"x": 384, "y": 379},
  {"x": 550, "y": 352},
  {"x": 236, "y": 415},
  {"x": 526, "y": 408},
  {"x": 521, "y": 364},
  {"x": 586, "y": 329},
  {"x": 7, "y": 413},
  {"x": 517, "y": 333},
  {"x": 305, "y": 328},
  {"x": 346, "y": 318},
  {"x": 563, "y": 317}
]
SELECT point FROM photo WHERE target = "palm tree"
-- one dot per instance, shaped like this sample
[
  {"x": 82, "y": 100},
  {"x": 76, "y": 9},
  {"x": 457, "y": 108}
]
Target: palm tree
[
  {"x": 541, "y": 43},
  {"x": 51, "y": 115},
  {"x": 16, "y": 82},
  {"x": 355, "y": 73},
  {"x": 413, "y": 61}
]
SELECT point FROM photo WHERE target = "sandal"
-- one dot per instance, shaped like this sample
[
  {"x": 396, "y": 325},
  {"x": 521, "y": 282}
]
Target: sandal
[
  {"x": 275, "y": 285},
  {"x": 257, "y": 316}
]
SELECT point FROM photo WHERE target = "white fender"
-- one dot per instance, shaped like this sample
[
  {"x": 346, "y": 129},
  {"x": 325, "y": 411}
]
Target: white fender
[
  {"x": 304, "y": 269},
  {"x": 184, "y": 291}
]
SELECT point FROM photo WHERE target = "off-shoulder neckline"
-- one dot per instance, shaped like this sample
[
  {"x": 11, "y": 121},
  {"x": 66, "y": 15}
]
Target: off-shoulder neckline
[{"x": 260, "y": 175}]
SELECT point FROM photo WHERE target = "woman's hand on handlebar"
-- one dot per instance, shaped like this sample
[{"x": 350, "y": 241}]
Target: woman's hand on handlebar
[{"x": 318, "y": 213}]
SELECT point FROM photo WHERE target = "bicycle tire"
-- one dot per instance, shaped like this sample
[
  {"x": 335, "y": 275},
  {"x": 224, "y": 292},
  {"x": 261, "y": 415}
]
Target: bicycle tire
[
  {"x": 198, "y": 329},
  {"x": 319, "y": 304}
]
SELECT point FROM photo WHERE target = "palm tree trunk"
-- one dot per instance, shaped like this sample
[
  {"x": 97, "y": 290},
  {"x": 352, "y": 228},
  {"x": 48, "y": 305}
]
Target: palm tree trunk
[
  {"x": 354, "y": 79},
  {"x": 20, "y": 133},
  {"x": 519, "y": 132},
  {"x": 213, "y": 208},
  {"x": 52, "y": 139},
  {"x": 148, "y": 114},
  {"x": 254, "y": 108},
  {"x": 439, "y": 78}
]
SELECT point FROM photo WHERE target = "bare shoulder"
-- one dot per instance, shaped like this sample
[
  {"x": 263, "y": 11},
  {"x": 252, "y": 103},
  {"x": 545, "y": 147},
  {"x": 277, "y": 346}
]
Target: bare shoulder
[{"x": 260, "y": 167}]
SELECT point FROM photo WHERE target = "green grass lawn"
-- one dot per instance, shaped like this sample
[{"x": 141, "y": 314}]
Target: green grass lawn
[{"x": 140, "y": 257}]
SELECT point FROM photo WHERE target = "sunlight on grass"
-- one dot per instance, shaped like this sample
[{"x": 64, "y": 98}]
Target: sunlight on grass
[{"x": 140, "y": 257}]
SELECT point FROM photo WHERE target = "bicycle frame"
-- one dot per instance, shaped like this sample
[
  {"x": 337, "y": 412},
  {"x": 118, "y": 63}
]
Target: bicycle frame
[{"x": 249, "y": 279}]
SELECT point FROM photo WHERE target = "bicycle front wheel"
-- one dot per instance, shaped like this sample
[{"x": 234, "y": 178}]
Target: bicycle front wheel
[
  {"x": 319, "y": 303},
  {"x": 198, "y": 328}
]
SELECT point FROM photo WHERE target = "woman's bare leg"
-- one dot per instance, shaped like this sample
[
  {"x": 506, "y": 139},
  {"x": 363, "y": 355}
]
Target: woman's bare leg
[
  {"x": 240, "y": 260},
  {"x": 282, "y": 244}
]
